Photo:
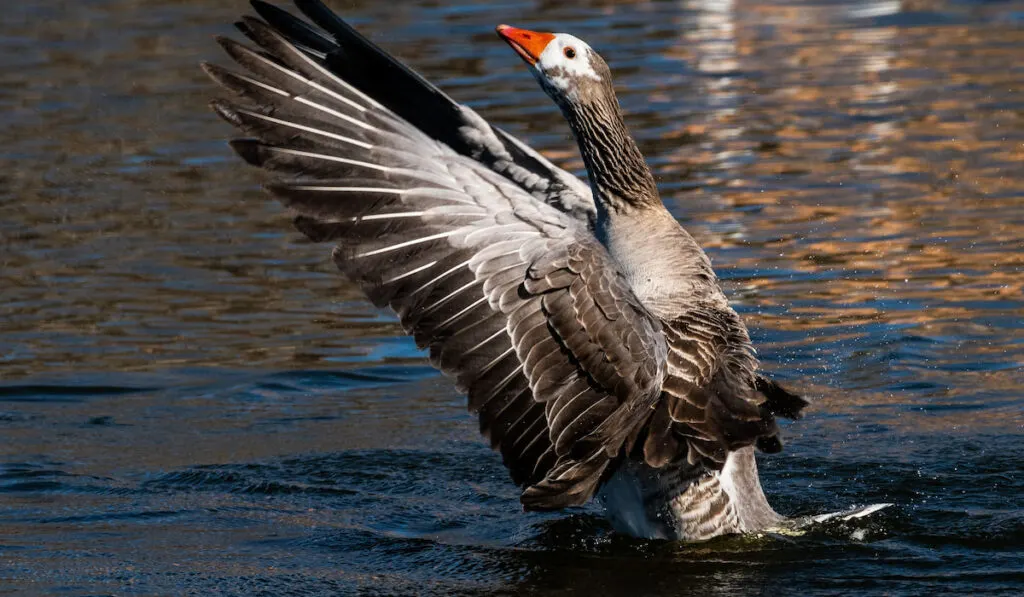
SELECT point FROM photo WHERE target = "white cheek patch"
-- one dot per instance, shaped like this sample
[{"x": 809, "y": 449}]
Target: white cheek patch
[
  {"x": 560, "y": 82},
  {"x": 553, "y": 58}
]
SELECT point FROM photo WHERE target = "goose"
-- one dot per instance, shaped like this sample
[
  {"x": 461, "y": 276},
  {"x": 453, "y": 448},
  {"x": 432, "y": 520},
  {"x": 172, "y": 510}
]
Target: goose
[{"x": 584, "y": 324}]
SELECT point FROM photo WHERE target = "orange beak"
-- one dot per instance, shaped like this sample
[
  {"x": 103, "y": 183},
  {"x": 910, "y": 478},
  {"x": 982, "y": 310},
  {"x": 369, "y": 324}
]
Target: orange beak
[{"x": 528, "y": 44}]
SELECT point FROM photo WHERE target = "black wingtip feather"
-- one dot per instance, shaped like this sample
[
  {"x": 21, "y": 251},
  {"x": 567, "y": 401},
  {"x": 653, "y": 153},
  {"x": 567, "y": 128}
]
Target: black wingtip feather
[
  {"x": 315, "y": 230},
  {"x": 324, "y": 17},
  {"x": 243, "y": 27},
  {"x": 781, "y": 402},
  {"x": 296, "y": 30},
  {"x": 379, "y": 75},
  {"x": 248, "y": 150},
  {"x": 771, "y": 444}
]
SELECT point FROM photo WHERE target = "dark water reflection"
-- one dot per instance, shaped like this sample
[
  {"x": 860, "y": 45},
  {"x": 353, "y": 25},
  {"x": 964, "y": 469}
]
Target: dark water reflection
[{"x": 192, "y": 401}]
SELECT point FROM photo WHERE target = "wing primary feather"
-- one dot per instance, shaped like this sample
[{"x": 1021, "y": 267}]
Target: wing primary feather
[
  {"x": 234, "y": 81},
  {"x": 334, "y": 189},
  {"x": 377, "y": 73},
  {"x": 335, "y": 113},
  {"x": 295, "y": 29},
  {"x": 498, "y": 387},
  {"x": 411, "y": 272},
  {"x": 447, "y": 322},
  {"x": 390, "y": 216},
  {"x": 408, "y": 243},
  {"x": 430, "y": 283},
  {"x": 327, "y": 50},
  {"x": 428, "y": 309},
  {"x": 245, "y": 55},
  {"x": 496, "y": 360},
  {"x": 425, "y": 170},
  {"x": 288, "y": 124},
  {"x": 329, "y": 158},
  {"x": 484, "y": 342}
]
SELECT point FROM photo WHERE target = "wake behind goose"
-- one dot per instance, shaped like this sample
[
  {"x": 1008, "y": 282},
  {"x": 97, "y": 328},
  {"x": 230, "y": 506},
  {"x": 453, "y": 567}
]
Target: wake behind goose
[{"x": 585, "y": 325}]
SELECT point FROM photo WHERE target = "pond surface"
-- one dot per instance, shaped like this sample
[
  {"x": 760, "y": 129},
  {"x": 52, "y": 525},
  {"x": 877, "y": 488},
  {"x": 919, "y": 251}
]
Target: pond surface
[{"x": 193, "y": 402}]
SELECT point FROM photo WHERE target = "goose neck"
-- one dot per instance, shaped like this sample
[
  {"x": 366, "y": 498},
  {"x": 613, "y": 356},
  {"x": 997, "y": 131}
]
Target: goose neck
[{"x": 619, "y": 176}]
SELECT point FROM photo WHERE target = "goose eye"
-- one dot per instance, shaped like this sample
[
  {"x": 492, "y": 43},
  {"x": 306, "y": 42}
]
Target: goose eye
[{"x": 569, "y": 52}]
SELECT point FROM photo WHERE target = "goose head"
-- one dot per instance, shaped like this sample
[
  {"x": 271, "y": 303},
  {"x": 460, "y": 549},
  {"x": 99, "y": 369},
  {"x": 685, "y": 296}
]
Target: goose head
[
  {"x": 580, "y": 82},
  {"x": 568, "y": 70}
]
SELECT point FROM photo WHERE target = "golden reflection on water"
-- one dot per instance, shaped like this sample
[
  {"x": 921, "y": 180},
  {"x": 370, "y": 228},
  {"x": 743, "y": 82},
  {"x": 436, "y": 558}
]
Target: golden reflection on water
[{"x": 856, "y": 172}]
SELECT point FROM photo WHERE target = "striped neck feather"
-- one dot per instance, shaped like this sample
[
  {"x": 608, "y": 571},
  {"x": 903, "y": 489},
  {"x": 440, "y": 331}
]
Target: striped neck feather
[{"x": 619, "y": 176}]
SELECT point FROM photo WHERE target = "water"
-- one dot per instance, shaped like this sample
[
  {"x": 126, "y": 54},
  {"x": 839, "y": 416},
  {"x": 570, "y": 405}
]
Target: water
[{"x": 192, "y": 402}]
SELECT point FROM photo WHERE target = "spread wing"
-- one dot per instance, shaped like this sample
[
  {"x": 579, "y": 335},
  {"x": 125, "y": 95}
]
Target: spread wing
[
  {"x": 361, "y": 64},
  {"x": 515, "y": 299}
]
